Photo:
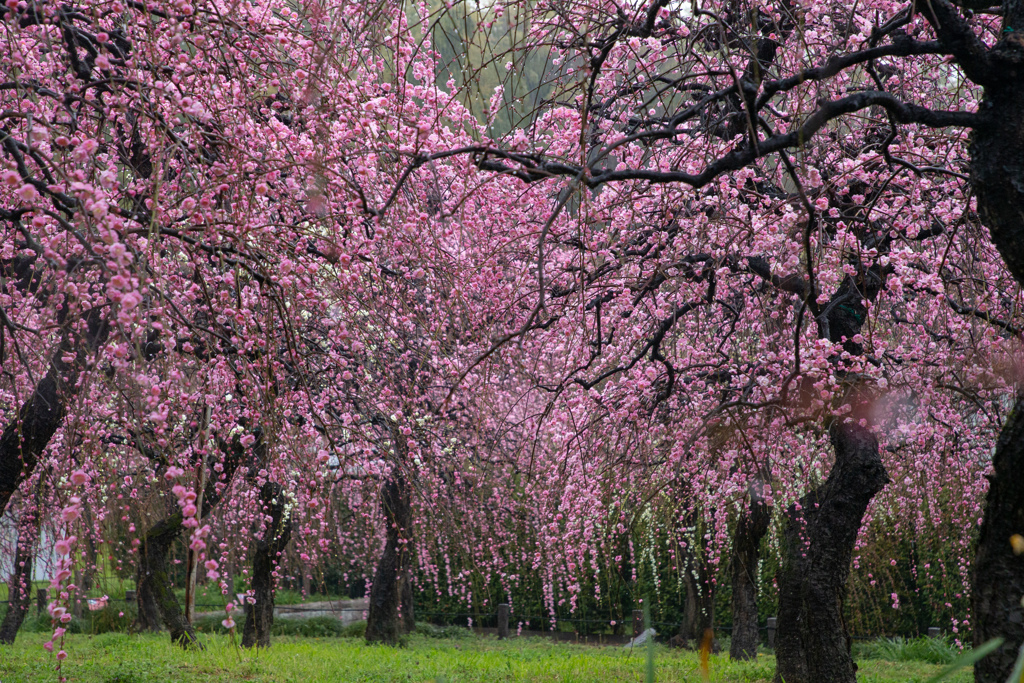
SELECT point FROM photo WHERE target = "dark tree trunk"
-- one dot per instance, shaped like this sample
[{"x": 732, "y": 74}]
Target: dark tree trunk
[
  {"x": 154, "y": 580},
  {"x": 699, "y": 605},
  {"x": 997, "y": 179},
  {"x": 998, "y": 580},
  {"x": 383, "y": 624},
  {"x": 25, "y": 438},
  {"x": 746, "y": 551},
  {"x": 408, "y": 609},
  {"x": 148, "y": 617},
  {"x": 812, "y": 643},
  {"x": 259, "y": 615},
  {"x": 997, "y": 157},
  {"x": 20, "y": 586}
]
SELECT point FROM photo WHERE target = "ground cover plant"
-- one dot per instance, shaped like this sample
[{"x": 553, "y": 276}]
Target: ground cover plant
[{"x": 139, "y": 659}]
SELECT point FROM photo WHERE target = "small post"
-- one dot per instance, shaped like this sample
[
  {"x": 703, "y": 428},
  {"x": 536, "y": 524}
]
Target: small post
[
  {"x": 41, "y": 597},
  {"x": 638, "y": 623},
  {"x": 130, "y": 596},
  {"x": 934, "y": 632},
  {"x": 503, "y": 612},
  {"x": 772, "y": 626}
]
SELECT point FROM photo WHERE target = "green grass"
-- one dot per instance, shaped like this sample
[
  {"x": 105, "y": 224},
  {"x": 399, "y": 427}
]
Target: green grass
[{"x": 120, "y": 658}]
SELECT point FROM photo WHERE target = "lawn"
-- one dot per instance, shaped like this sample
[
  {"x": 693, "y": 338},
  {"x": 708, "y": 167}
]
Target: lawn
[{"x": 121, "y": 658}]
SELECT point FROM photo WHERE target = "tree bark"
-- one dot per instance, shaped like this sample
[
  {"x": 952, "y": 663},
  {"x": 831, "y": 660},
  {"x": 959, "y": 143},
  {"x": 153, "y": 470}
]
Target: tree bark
[
  {"x": 148, "y": 617},
  {"x": 998, "y": 581},
  {"x": 408, "y": 609},
  {"x": 746, "y": 551},
  {"x": 812, "y": 643},
  {"x": 20, "y": 586},
  {"x": 259, "y": 615},
  {"x": 997, "y": 179},
  {"x": 997, "y": 160},
  {"x": 383, "y": 624},
  {"x": 153, "y": 579}
]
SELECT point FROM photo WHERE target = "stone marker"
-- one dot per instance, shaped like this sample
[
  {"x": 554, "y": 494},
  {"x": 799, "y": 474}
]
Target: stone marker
[{"x": 503, "y": 612}]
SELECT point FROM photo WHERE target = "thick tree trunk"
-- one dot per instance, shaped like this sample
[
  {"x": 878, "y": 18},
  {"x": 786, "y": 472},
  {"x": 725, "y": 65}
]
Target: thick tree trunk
[
  {"x": 19, "y": 588},
  {"x": 997, "y": 159},
  {"x": 148, "y": 617},
  {"x": 383, "y": 624},
  {"x": 998, "y": 581},
  {"x": 153, "y": 579},
  {"x": 812, "y": 643},
  {"x": 408, "y": 609},
  {"x": 699, "y": 605},
  {"x": 259, "y": 615},
  {"x": 746, "y": 551},
  {"x": 997, "y": 179},
  {"x": 25, "y": 438}
]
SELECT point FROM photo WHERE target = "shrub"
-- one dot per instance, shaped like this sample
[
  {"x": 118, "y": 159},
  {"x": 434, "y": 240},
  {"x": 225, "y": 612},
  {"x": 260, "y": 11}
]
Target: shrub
[
  {"x": 447, "y": 632},
  {"x": 357, "y": 629},
  {"x": 932, "y": 650}
]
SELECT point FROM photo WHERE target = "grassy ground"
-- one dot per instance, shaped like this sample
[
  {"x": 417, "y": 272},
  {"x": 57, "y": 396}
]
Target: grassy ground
[{"x": 120, "y": 658}]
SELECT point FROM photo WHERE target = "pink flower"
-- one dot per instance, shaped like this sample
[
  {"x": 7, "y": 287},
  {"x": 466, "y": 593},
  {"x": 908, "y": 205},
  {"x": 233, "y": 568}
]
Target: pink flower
[
  {"x": 79, "y": 477},
  {"x": 63, "y": 546},
  {"x": 48, "y": 646},
  {"x": 61, "y": 656},
  {"x": 70, "y": 513},
  {"x": 27, "y": 193},
  {"x": 211, "y": 564},
  {"x": 228, "y": 623},
  {"x": 228, "y": 607},
  {"x": 189, "y": 511}
]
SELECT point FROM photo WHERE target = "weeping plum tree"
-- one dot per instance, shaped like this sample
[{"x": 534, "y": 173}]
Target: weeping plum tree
[
  {"x": 19, "y": 588},
  {"x": 761, "y": 219},
  {"x": 669, "y": 138},
  {"x": 277, "y": 530}
]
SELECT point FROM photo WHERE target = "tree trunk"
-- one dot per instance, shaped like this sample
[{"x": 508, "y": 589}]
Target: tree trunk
[
  {"x": 408, "y": 610},
  {"x": 746, "y": 551},
  {"x": 699, "y": 605},
  {"x": 155, "y": 581},
  {"x": 812, "y": 643},
  {"x": 998, "y": 581},
  {"x": 20, "y": 586},
  {"x": 383, "y": 624},
  {"x": 259, "y": 615},
  {"x": 148, "y": 617},
  {"x": 997, "y": 160},
  {"x": 997, "y": 179}
]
